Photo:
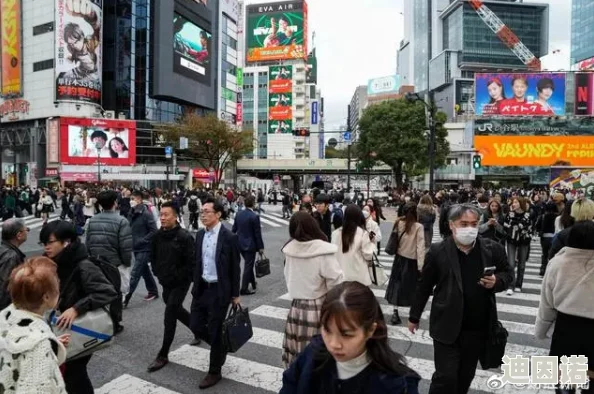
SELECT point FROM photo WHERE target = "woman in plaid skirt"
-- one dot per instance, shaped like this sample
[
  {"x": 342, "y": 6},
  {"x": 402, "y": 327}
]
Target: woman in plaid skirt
[{"x": 311, "y": 270}]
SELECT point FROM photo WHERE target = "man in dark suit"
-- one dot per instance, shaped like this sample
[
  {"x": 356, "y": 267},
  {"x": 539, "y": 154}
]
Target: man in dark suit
[
  {"x": 216, "y": 285},
  {"x": 248, "y": 229},
  {"x": 463, "y": 310}
]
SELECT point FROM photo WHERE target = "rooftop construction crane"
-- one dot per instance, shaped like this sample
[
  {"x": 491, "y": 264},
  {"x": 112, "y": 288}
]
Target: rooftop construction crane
[{"x": 505, "y": 34}]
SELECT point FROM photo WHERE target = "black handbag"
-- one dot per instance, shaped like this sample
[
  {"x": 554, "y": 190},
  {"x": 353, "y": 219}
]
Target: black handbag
[
  {"x": 262, "y": 266},
  {"x": 494, "y": 350},
  {"x": 237, "y": 328},
  {"x": 392, "y": 245}
]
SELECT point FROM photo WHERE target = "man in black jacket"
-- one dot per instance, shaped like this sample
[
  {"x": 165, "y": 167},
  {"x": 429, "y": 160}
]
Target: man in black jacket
[
  {"x": 323, "y": 215},
  {"x": 14, "y": 234},
  {"x": 216, "y": 285},
  {"x": 463, "y": 308},
  {"x": 172, "y": 260}
]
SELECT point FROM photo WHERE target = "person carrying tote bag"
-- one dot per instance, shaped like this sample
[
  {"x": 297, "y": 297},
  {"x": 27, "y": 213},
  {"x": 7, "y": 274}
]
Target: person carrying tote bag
[
  {"x": 83, "y": 288},
  {"x": 410, "y": 255}
]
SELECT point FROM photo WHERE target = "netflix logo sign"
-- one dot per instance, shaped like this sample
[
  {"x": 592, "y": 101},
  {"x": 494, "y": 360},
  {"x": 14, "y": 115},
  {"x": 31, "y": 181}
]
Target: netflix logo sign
[{"x": 584, "y": 94}]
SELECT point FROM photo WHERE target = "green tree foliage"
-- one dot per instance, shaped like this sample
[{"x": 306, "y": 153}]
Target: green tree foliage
[
  {"x": 396, "y": 132},
  {"x": 333, "y": 153},
  {"x": 212, "y": 143}
]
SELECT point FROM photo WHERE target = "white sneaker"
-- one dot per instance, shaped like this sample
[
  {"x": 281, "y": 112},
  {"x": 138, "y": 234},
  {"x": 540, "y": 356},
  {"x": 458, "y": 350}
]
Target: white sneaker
[
  {"x": 510, "y": 292},
  {"x": 518, "y": 290}
]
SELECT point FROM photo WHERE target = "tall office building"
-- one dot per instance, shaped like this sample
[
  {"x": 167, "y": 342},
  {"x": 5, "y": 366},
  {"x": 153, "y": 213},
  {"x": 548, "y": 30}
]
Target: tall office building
[
  {"x": 444, "y": 53},
  {"x": 356, "y": 107},
  {"x": 582, "y": 34}
]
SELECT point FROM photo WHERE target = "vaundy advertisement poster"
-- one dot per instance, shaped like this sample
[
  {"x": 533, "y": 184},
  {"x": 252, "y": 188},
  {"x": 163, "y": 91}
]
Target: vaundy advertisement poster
[
  {"x": 84, "y": 140},
  {"x": 79, "y": 50},
  {"x": 10, "y": 47},
  {"x": 535, "y": 94},
  {"x": 276, "y": 31},
  {"x": 540, "y": 151}
]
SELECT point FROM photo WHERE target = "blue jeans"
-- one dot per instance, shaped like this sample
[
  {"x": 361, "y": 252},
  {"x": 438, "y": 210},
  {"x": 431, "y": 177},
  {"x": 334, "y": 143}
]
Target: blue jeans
[
  {"x": 141, "y": 269},
  {"x": 521, "y": 252}
]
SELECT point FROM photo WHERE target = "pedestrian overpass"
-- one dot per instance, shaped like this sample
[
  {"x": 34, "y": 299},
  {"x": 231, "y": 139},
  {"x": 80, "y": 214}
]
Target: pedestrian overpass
[{"x": 303, "y": 166}]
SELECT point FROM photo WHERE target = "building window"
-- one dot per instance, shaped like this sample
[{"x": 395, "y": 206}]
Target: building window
[
  {"x": 43, "y": 65},
  {"x": 45, "y": 28}
]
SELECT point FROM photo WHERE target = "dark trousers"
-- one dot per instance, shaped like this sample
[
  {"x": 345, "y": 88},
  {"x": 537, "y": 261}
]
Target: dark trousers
[
  {"x": 174, "y": 310},
  {"x": 141, "y": 269},
  {"x": 207, "y": 314},
  {"x": 545, "y": 244},
  {"x": 249, "y": 258},
  {"x": 194, "y": 220},
  {"x": 455, "y": 364},
  {"x": 76, "y": 377}
]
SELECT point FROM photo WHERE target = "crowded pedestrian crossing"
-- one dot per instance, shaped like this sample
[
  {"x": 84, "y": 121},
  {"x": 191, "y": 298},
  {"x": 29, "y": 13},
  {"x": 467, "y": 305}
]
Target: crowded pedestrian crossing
[
  {"x": 33, "y": 222},
  {"x": 257, "y": 366}
]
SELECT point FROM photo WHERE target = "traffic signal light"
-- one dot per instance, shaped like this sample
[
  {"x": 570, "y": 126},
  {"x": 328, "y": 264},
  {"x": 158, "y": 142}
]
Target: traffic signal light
[
  {"x": 301, "y": 132},
  {"x": 176, "y": 170},
  {"x": 476, "y": 162}
]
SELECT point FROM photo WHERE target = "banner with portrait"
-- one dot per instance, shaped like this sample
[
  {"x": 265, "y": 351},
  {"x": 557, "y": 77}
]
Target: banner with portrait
[{"x": 78, "y": 50}]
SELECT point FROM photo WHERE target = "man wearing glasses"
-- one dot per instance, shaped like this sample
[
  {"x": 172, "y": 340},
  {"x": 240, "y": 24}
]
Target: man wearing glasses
[
  {"x": 14, "y": 234},
  {"x": 216, "y": 285}
]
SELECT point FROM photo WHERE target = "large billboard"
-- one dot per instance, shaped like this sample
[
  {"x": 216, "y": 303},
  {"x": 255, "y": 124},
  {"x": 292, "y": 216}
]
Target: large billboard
[
  {"x": 573, "y": 178},
  {"x": 584, "y": 94},
  {"x": 497, "y": 150},
  {"x": 383, "y": 85},
  {"x": 192, "y": 49},
  {"x": 79, "y": 51},
  {"x": 280, "y": 79},
  {"x": 276, "y": 31},
  {"x": 83, "y": 140},
  {"x": 280, "y": 99},
  {"x": 536, "y": 94},
  {"x": 11, "y": 42},
  {"x": 280, "y": 127}
]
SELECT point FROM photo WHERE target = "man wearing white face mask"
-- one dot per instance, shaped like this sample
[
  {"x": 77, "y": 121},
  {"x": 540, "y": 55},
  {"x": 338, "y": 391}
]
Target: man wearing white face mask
[{"x": 466, "y": 272}]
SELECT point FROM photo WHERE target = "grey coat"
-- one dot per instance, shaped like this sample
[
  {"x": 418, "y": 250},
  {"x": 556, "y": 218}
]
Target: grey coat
[
  {"x": 10, "y": 258},
  {"x": 109, "y": 235}
]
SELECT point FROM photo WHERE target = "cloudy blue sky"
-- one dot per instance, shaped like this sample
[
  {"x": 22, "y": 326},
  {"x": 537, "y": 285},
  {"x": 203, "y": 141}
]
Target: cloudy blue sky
[{"x": 357, "y": 40}]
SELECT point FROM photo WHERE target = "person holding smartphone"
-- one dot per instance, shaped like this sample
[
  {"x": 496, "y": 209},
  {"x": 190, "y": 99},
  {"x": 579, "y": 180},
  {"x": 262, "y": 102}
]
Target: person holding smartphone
[{"x": 466, "y": 271}]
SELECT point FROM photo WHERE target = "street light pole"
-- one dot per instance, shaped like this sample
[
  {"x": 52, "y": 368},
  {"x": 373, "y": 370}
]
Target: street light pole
[
  {"x": 98, "y": 147},
  {"x": 431, "y": 110},
  {"x": 349, "y": 167}
]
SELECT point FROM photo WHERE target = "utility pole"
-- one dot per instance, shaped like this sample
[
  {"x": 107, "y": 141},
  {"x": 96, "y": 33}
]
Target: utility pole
[{"x": 349, "y": 167}]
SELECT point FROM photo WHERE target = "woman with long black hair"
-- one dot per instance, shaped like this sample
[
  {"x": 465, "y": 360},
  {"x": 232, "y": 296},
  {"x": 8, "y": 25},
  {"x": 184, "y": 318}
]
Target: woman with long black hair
[
  {"x": 408, "y": 261},
  {"x": 355, "y": 246},
  {"x": 353, "y": 354}
]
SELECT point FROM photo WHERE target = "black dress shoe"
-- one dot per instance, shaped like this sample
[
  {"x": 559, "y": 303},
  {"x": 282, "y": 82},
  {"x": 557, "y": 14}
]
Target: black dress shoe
[
  {"x": 395, "y": 319},
  {"x": 118, "y": 329},
  {"x": 210, "y": 380},
  {"x": 247, "y": 292},
  {"x": 196, "y": 342},
  {"x": 255, "y": 285},
  {"x": 159, "y": 363}
]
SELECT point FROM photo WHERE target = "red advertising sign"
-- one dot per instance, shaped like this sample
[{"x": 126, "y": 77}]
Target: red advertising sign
[
  {"x": 84, "y": 141},
  {"x": 584, "y": 94},
  {"x": 10, "y": 47},
  {"x": 51, "y": 172},
  {"x": 239, "y": 115},
  {"x": 280, "y": 113},
  {"x": 12, "y": 108},
  {"x": 200, "y": 173}
]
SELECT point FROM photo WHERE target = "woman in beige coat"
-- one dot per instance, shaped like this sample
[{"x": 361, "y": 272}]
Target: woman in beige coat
[
  {"x": 408, "y": 262},
  {"x": 355, "y": 246}
]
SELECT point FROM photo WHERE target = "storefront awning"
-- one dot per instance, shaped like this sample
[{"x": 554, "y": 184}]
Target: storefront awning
[{"x": 78, "y": 176}]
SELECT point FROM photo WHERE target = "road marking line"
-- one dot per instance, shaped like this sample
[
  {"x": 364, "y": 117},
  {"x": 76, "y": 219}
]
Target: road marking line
[
  {"x": 263, "y": 376},
  {"x": 271, "y": 217},
  {"x": 127, "y": 384}
]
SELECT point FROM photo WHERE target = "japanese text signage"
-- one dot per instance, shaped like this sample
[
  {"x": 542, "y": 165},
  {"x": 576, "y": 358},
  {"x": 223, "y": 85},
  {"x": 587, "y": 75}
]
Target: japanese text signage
[
  {"x": 53, "y": 142},
  {"x": 78, "y": 51},
  {"x": 314, "y": 112},
  {"x": 276, "y": 31},
  {"x": 384, "y": 85},
  {"x": 12, "y": 108},
  {"x": 10, "y": 23},
  {"x": 537, "y": 94}
]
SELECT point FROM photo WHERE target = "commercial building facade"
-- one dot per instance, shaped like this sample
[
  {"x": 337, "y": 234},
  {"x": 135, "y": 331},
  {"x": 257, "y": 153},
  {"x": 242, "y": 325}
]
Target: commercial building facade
[{"x": 145, "y": 61}]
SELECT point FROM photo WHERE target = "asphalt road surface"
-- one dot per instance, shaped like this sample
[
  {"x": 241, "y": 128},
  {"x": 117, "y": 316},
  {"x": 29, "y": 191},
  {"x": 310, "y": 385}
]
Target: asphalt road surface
[{"x": 257, "y": 367}]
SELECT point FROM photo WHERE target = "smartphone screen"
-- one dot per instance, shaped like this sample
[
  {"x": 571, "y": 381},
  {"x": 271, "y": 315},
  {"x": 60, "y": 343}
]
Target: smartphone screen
[{"x": 488, "y": 271}]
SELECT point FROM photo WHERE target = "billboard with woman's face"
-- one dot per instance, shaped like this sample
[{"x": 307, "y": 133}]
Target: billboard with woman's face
[
  {"x": 536, "y": 94},
  {"x": 84, "y": 141}
]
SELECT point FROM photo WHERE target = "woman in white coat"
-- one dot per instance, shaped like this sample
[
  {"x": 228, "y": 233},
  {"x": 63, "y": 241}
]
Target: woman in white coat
[
  {"x": 355, "y": 246},
  {"x": 372, "y": 227}
]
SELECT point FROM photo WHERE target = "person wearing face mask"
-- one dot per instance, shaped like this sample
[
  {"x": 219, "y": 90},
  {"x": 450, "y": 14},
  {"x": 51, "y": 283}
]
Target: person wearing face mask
[
  {"x": 374, "y": 230},
  {"x": 463, "y": 308},
  {"x": 518, "y": 226}
]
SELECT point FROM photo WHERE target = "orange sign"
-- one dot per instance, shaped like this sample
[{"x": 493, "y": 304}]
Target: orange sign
[
  {"x": 534, "y": 150},
  {"x": 10, "y": 22},
  {"x": 280, "y": 113}
]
